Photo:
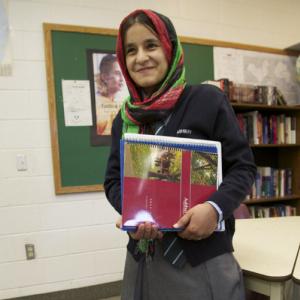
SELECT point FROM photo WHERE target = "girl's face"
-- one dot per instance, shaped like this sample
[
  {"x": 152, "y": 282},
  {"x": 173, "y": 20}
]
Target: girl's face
[{"x": 145, "y": 59}]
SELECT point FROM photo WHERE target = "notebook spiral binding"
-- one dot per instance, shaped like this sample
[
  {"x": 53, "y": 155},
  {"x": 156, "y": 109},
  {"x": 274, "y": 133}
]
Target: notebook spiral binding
[{"x": 175, "y": 146}]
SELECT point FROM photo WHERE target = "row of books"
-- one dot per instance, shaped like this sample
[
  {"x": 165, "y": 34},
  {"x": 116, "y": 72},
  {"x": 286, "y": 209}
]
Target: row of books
[
  {"x": 264, "y": 94},
  {"x": 267, "y": 129},
  {"x": 271, "y": 182},
  {"x": 272, "y": 211},
  {"x": 249, "y": 93}
]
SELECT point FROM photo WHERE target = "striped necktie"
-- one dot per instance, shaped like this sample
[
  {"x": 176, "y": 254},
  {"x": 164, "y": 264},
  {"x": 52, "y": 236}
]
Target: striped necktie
[{"x": 172, "y": 250}]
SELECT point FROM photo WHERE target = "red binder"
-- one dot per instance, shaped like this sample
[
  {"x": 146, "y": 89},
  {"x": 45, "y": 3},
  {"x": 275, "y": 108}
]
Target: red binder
[{"x": 163, "y": 177}]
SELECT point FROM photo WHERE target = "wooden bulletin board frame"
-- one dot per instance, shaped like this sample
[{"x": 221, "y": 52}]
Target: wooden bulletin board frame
[{"x": 61, "y": 45}]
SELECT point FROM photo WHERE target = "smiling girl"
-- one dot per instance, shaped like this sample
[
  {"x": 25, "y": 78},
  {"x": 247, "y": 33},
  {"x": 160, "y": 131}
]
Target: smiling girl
[{"x": 196, "y": 263}]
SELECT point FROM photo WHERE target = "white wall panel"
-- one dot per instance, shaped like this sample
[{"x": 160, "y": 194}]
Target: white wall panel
[
  {"x": 19, "y": 219},
  {"x": 47, "y": 270},
  {"x": 103, "y": 213},
  {"x": 200, "y": 10},
  {"x": 14, "y": 104},
  {"x": 65, "y": 215},
  {"x": 20, "y": 274},
  {"x": 27, "y": 45},
  {"x": 27, "y": 75},
  {"x": 192, "y": 28},
  {"x": 38, "y": 190},
  {"x": 23, "y": 104},
  {"x": 103, "y": 261},
  {"x": 29, "y": 16},
  {"x": 27, "y": 191},
  {"x": 243, "y": 15},
  {"x": 68, "y": 267},
  {"x": 8, "y": 250},
  {"x": 96, "y": 238},
  {"x": 38, "y": 105},
  {"x": 24, "y": 134}
]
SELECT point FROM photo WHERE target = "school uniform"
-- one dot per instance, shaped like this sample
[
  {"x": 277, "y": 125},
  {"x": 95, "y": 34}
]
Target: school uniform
[{"x": 202, "y": 112}]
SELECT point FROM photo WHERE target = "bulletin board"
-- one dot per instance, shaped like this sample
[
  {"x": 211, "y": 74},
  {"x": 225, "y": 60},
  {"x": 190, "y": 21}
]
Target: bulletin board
[{"x": 78, "y": 166}]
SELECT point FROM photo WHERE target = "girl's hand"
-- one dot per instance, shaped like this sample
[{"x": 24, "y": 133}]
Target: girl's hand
[
  {"x": 198, "y": 223},
  {"x": 145, "y": 230}
]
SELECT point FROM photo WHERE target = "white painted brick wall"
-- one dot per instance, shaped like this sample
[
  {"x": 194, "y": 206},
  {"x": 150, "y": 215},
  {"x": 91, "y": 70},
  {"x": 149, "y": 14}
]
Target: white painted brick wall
[
  {"x": 27, "y": 45},
  {"x": 23, "y": 105},
  {"x": 27, "y": 75},
  {"x": 74, "y": 235},
  {"x": 24, "y": 134}
]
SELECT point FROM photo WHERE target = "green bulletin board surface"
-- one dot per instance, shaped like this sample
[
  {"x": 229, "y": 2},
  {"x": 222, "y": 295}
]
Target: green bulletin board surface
[{"x": 81, "y": 163}]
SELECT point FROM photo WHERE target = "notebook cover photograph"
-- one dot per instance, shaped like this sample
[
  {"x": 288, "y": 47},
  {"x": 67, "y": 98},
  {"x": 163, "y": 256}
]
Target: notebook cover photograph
[{"x": 163, "y": 177}]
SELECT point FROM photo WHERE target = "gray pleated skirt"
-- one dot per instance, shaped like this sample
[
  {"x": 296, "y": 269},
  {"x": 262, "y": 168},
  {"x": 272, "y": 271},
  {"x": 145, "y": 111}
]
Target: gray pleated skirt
[{"x": 219, "y": 278}]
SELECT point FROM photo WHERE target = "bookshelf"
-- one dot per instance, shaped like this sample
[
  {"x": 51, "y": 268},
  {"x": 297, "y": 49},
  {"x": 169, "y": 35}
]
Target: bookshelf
[{"x": 279, "y": 156}]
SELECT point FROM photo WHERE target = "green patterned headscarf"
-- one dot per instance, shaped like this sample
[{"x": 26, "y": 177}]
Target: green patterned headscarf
[{"x": 136, "y": 111}]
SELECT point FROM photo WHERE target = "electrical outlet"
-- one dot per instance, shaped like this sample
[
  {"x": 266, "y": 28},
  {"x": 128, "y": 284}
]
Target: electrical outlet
[{"x": 30, "y": 251}]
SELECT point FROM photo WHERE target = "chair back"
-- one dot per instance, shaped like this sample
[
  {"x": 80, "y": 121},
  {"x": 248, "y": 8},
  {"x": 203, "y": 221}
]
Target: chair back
[{"x": 242, "y": 212}]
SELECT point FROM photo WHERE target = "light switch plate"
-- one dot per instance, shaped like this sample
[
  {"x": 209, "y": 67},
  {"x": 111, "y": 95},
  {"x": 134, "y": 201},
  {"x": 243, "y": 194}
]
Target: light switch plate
[{"x": 21, "y": 162}]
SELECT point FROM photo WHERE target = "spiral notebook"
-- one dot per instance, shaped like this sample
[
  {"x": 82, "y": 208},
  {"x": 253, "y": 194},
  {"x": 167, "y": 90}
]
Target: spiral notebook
[{"x": 163, "y": 177}]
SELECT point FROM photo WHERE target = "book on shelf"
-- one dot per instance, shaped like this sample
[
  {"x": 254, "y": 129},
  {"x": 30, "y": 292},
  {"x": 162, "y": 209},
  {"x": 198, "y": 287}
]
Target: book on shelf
[
  {"x": 258, "y": 211},
  {"x": 261, "y": 128},
  {"x": 223, "y": 84},
  {"x": 293, "y": 130},
  {"x": 163, "y": 177},
  {"x": 272, "y": 182},
  {"x": 249, "y": 93}
]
